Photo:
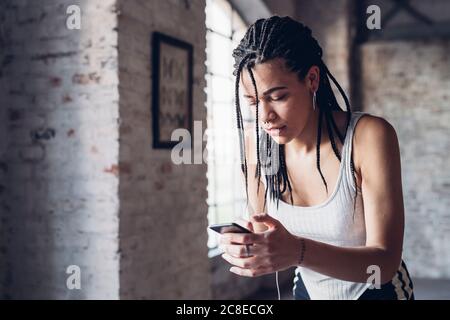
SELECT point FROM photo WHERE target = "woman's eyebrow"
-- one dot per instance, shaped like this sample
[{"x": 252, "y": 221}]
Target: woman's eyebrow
[{"x": 269, "y": 91}]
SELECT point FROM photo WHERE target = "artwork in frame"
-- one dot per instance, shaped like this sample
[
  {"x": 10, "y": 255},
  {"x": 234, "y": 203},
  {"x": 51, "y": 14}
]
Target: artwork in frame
[{"x": 172, "y": 88}]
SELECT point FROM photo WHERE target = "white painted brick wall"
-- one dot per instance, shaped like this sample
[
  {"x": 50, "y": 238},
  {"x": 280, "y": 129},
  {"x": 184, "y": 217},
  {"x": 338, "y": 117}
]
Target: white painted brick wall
[{"x": 62, "y": 191}]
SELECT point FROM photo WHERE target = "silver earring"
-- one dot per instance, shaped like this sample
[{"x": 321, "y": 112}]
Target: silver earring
[{"x": 314, "y": 101}]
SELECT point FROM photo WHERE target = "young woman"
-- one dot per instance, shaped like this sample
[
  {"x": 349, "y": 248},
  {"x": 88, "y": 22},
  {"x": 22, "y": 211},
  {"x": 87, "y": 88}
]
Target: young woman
[{"x": 334, "y": 178}]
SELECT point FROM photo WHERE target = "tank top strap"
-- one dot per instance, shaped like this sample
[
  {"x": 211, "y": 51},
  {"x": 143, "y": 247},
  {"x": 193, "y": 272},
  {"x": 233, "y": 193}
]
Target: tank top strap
[{"x": 348, "y": 145}]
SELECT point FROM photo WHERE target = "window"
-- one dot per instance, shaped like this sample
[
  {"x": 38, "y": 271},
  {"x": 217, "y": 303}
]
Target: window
[{"x": 226, "y": 194}]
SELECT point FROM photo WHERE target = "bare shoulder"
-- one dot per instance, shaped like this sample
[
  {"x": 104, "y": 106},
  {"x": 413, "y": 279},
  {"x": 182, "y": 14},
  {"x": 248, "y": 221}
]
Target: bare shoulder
[
  {"x": 370, "y": 128},
  {"x": 374, "y": 137}
]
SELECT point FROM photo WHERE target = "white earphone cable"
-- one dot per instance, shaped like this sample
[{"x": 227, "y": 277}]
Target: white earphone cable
[{"x": 278, "y": 285}]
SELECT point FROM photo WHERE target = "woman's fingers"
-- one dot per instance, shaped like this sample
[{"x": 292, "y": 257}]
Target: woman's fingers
[
  {"x": 245, "y": 263},
  {"x": 246, "y": 224},
  {"x": 239, "y": 250},
  {"x": 241, "y": 238},
  {"x": 251, "y": 272},
  {"x": 235, "y": 250}
]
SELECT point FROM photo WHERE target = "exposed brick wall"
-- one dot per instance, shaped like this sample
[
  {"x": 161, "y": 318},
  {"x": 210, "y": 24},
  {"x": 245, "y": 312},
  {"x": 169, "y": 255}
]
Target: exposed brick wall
[
  {"x": 163, "y": 216},
  {"x": 408, "y": 83},
  {"x": 60, "y": 107}
]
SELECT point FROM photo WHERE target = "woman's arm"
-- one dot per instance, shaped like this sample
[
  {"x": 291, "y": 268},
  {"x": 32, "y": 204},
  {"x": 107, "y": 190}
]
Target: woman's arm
[{"x": 379, "y": 163}]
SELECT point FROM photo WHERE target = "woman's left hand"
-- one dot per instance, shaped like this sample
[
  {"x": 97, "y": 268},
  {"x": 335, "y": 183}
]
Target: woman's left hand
[{"x": 257, "y": 254}]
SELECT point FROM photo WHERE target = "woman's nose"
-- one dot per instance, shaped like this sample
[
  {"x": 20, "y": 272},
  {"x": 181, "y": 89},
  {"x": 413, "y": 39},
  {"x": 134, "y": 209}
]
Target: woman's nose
[{"x": 266, "y": 114}]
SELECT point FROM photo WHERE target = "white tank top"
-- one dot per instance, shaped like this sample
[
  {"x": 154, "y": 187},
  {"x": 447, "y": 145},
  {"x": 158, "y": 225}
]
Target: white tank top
[{"x": 332, "y": 222}]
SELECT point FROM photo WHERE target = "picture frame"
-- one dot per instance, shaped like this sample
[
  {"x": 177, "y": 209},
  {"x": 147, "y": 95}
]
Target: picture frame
[{"x": 172, "y": 65}]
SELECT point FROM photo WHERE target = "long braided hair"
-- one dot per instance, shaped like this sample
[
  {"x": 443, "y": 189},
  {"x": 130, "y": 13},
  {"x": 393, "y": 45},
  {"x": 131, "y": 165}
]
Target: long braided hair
[{"x": 283, "y": 37}]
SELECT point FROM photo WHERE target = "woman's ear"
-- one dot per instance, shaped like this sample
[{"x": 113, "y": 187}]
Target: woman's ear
[{"x": 313, "y": 78}]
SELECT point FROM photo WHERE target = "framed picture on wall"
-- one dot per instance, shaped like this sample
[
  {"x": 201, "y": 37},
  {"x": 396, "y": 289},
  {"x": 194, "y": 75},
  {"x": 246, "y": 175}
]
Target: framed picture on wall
[{"x": 172, "y": 88}]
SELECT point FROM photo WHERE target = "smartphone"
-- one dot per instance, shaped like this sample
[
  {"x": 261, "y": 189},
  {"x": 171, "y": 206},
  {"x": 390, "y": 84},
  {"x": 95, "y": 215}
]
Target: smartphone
[{"x": 229, "y": 227}]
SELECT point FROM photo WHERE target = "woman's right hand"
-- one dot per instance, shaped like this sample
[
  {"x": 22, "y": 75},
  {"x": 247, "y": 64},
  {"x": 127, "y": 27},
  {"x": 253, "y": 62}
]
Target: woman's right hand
[
  {"x": 257, "y": 226},
  {"x": 245, "y": 223}
]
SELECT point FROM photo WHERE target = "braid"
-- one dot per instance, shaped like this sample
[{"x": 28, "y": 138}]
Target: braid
[
  {"x": 319, "y": 136},
  {"x": 240, "y": 127},
  {"x": 347, "y": 103},
  {"x": 358, "y": 189},
  {"x": 330, "y": 135},
  {"x": 284, "y": 171},
  {"x": 283, "y": 37},
  {"x": 335, "y": 128},
  {"x": 258, "y": 162}
]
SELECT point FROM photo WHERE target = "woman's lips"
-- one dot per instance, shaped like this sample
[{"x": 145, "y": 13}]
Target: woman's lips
[{"x": 276, "y": 131}]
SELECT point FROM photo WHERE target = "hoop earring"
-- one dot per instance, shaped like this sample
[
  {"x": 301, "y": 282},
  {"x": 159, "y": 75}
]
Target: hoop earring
[{"x": 314, "y": 101}]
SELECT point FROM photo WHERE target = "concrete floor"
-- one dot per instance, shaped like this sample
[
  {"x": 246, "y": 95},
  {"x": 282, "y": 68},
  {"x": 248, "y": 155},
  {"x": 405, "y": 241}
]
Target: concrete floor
[
  {"x": 432, "y": 289},
  {"x": 424, "y": 289}
]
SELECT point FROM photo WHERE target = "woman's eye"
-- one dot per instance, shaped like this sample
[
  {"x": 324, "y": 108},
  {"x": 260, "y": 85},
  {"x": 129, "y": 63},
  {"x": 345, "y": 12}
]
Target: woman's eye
[
  {"x": 283, "y": 97},
  {"x": 279, "y": 98}
]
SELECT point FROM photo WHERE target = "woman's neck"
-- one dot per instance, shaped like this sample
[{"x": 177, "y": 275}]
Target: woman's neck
[{"x": 306, "y": 142}]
